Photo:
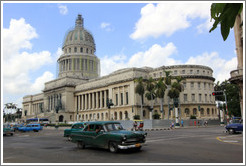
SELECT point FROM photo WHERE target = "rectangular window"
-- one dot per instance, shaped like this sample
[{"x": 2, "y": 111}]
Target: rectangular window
[
  {"x": 183, "y": 71},
  {"x": 191, "y": 71},
  {"x": 206, "y": 98},
  {"x": 121, "y": 98},
  {"x": 184, "y": 84},
  {"x": 205, "y": 85},
  {"x": 116, "y": 99},
  {"x": 197, "y": 71},
  {"x": 175, "y": 72},
  {"x": 126, "y": 97},
  {"x": 199, "y": 85},
  {"x": 193, "y": 97},
  {"x": 185, "y": 97},
  {"x": 192, "y": 85},
  {"x": 200, "y": 97}
]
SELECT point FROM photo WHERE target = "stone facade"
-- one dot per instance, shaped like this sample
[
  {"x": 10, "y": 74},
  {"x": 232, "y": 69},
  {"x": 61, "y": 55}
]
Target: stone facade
[
  {"x": 237, "y": 75},
  {"x": 80, "y": 94}
]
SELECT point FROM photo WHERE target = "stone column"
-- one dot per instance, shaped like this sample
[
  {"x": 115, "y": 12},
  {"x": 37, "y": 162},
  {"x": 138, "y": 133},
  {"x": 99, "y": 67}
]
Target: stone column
[
  {"x": 86, "y": 107},
  {"x": 96, "y": 100},
  {"x": 93, "y": 100},
  {"x": 105, "y": 98},
  {"x": 79, "y": 103},
  {"x": 83, "y": 99},
  {"x": 89, "y": 98},
  {"x": 101, "y": 99}
]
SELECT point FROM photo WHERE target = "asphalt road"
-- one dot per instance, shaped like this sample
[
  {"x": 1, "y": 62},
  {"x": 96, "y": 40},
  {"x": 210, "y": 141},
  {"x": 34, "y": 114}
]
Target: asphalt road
[{"x": 186, "y": 145}]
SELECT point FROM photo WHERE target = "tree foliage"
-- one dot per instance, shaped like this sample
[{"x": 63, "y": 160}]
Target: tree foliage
[
  {"x": 232, "y": 95},
  {"x": 225, "y": 14}
]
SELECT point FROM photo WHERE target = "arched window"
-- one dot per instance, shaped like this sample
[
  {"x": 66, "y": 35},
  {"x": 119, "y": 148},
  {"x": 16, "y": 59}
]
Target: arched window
[
  {"x": 194, "y": 111},
  {"x": 120, "y": 115},
  {"x": 208, "y": 111},
  {"x": 187, "y": 111},
  {"x": 75, "y": 49},
  {"x": 102, "y": 116},
  {"x": 87, "y": 50},
  {"x": 81, "y": 49},
  {"x": 126, "y": 115},
  {"x": 69, "y": 50},
  {"x": 115, "y": 116},
  {"x": 202, "y": 111},
  {"x": 212, "y": 111}
]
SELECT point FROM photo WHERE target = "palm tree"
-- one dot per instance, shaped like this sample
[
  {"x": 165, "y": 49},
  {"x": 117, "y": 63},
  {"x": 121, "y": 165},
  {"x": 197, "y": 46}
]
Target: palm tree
[
  {"x": 174, "y": 93},
  {"x": 160, "y": 92},
  {"x": 150, "y": 95},
  {"x": 168, "y": 80},
  {"x": 139, "y": 89}
]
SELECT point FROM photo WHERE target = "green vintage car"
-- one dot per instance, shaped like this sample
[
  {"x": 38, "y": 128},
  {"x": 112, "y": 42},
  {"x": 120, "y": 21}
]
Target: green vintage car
[
  {"x": 7, "y": 130},
  {"x": 109, "y": 135},
  {"x": 75, "y": 127}
]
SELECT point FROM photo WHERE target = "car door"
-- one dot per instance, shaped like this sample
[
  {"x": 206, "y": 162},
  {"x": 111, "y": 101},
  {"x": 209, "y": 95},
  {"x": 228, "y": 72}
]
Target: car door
[
  {"x": 100, "y": 136},
  {"x": 88, "y": 134}
]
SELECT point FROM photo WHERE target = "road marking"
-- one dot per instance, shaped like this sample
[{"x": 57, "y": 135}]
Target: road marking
[
  {"x": 230, "y": 141},
  {"x": 227, "y": 141}
]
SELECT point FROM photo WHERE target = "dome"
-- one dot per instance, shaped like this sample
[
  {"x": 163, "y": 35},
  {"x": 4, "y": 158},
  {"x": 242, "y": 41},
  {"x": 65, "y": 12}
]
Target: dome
[{"x": 79, "y": 35}]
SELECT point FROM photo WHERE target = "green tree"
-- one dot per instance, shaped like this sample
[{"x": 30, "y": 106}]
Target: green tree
[
  {"x": 150, "y": 94},
  {"x": 232, "y": 95},
  {"x": 225, "y": 14},
  {"x": 168, "y": 81},
  {"x": 174, "y": 92},
  {"x": 139, "y": 89},
  {"x": 160, "y": 87}
]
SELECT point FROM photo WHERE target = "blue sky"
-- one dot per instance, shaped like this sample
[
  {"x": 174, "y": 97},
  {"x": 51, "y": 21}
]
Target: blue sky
[{"x": 126, "y": 35}]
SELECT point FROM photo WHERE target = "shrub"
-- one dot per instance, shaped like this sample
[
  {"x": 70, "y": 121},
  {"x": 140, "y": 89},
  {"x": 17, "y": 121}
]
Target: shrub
[
  {"x": 136, "y": 117},
  {"x": 156, "y": 116},
  {"x": 192, "y": 117}
]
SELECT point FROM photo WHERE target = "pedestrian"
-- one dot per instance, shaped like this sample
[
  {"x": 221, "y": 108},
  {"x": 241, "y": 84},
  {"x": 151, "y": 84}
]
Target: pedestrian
[
  {"x": 182, "y": 123},
  {"x": 135, "y": 124},
  {"x": 194, "y": 123},
  {"x": 198, "y": 123}
]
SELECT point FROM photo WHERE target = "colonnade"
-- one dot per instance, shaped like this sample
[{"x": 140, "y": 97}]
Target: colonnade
[
  {"x": 53, "y": 101},
  {"x": 92, "y": 100}
]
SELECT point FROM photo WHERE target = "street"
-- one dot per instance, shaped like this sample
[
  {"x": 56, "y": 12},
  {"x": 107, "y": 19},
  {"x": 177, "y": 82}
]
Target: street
[{"x": 183, "y": 145}]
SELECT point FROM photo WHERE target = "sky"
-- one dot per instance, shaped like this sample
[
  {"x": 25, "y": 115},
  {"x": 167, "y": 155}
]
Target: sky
[{"x": 126, "y": 35}]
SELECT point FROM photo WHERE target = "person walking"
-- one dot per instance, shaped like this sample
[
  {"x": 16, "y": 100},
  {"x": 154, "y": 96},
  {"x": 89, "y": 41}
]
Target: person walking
[{"x": 182, "y": 123}]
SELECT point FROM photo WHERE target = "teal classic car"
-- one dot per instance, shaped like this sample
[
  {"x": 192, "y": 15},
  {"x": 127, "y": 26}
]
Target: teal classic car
[
  {"x": 7, "y": 130},
  {"x": 75, "y": 127},
  {"x": 109, "y": 135}
]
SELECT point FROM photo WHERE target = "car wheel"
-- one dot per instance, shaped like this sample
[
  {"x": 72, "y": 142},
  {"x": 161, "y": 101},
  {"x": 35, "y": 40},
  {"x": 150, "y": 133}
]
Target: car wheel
[
  {"x": 138, "y": 148},
  {"x": 69, "y": 138},
  {"x": 11, "y": 134},
  {"x": 80, "y": 145},
  {"x": 113, "y": 147},
  {"x": 231, "y": 131}
]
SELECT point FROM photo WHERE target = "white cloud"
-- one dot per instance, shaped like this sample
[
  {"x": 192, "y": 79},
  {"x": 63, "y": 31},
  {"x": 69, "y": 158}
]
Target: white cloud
[
  {"x": 106, "y": 26},
  {"x": 155, "y": 56},
  {"x": 158, "y": 55},
  {"x": 39, "y": 82},
  {"x": 166, "y": 19},
  {"x": 17, "y": 36},
  {"x": 220, "y": 66},
  {"x": 18, "y": 64},
  {"x": 63, "y": 9}
]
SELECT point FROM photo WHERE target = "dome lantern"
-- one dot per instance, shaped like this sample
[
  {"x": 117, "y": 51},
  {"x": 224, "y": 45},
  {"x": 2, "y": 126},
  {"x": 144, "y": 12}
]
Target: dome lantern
[{"x": 79, "y": 21}]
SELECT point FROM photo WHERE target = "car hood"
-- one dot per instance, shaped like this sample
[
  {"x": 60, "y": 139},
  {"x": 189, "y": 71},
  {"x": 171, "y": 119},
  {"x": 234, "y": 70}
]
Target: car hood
[{"x": 128, "y": 134}]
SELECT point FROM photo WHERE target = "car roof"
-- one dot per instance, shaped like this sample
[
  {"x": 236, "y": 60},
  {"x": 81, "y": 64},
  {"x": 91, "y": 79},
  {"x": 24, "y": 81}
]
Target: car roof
[
  {"x": 103, "y": 122},
  {"x": 79, "y": 123}
]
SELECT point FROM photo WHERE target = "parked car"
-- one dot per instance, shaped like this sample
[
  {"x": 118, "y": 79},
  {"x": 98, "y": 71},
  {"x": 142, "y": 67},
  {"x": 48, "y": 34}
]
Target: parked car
[
  {"x": 31, "y": 127},
  {"x": 7, "y": 130},
  {"x": 109, "y": 135},
  {"x": 235, "y": 126},
  {"x": 17, "y": 126},
  {"x": 75, "y": 127}
]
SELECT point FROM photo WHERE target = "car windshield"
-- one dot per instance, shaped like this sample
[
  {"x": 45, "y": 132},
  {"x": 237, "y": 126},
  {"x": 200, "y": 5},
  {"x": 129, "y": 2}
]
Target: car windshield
[{"x": 114, "y": 126}]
